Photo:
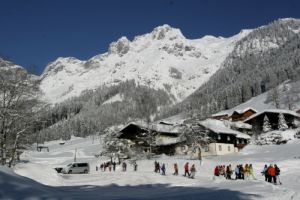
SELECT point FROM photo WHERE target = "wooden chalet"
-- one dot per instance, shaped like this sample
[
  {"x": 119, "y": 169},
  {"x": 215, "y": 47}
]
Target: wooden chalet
[
  {"x": 257, "y": 120},
  {"x": 241, "y": 115},
  {"x": 165, "y": 137},
  {"x": 220, "y": 133}
]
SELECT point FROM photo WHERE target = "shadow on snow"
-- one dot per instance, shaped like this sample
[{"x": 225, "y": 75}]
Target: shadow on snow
[{"x": 13, "y": 186}]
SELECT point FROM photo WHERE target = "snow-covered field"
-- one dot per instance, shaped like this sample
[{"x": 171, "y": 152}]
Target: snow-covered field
[{"x": 35, "y": 177}]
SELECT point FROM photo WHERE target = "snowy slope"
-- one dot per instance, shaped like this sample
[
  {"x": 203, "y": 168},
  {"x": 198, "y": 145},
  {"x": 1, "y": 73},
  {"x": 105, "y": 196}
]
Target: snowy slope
[
  {"x": 145, "y": 184},
  {"x": 162, "y": 59},
  {"x": 262, "y": 102}
]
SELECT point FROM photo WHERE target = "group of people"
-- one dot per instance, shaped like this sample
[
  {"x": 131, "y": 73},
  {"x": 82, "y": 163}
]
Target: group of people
[
  {"x": 159, "y": 168},
  {"x": 107, "y": 165},
  {"x": 240, "y": 171},
  {"x": 271, "y": 173},
  {"x": 111, "y": 166},
  {"x": 190, "y": 172}
]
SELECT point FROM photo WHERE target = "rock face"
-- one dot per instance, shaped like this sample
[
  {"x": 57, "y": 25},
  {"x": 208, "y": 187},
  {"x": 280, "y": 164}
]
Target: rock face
[{"x": 162, "y": 59}]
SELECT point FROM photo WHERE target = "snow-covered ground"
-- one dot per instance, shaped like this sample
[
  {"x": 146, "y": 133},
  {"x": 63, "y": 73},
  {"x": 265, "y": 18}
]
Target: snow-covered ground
[{"x": 35, "y": 177}]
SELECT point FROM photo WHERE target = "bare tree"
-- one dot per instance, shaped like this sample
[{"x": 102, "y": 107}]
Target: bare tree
[{"x": 18, "y": 100}]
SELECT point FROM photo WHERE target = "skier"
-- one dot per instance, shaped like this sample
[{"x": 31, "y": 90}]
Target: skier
[
  {"x": 96, "y": 168},
  {"x": 114, "y": 165},
  {"x": 228, "y": 172},
  {"x": 109, "y": 166},
  {"x": 221, "y": 170},
  {"x": 277, "y": 173},
  {"x": 163, "y": 169},
  {"x": 155, "y": 166},
  {"x": 104, "y": 166},
  {"x": 193, "y": 172},
  {"x": 101, "y": 167},
  {"x": 242, "y": 172},
  {"x": 186, "y": 169},
  {"x": 135, "y": 166},
  {"x": 251, "y": 172},
  {"x": 124, "y": 166},
  {"x": 265, "y": 173},
  {"x": 271, "y": 174},
  {"x": 237, "y": 172},
  {"x": 216, "y": 171},
  {"x": 175, "y": 169},
  {"x": 246, "y": 170}
]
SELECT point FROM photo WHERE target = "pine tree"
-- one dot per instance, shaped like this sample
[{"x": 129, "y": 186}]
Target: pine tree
[
  {"x": 266, "y": 126},
  {"x": 281, "y": 122}
]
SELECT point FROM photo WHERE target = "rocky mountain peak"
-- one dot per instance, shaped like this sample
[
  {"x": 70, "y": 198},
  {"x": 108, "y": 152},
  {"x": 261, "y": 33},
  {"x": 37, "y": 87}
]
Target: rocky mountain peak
[
  {"x": 119, "y": 47},
  {"x": 166, "y": 32}
]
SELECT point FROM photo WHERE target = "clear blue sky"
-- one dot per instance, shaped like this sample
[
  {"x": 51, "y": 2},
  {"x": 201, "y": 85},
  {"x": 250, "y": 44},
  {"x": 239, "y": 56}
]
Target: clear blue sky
[{"x": 39, "y": 31}]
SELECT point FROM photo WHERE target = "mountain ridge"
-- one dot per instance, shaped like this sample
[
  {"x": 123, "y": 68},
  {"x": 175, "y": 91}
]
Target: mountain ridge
[{"x": 162, "y": 59}]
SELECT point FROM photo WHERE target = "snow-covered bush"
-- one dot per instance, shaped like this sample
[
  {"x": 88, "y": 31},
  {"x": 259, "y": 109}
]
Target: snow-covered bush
[{"x": 276, "y": 137}]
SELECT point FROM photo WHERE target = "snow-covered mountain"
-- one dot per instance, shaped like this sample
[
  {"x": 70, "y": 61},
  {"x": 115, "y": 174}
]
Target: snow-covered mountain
[
  {"x": 162, "y": 59},
  {"x": 9, "y": 66}
]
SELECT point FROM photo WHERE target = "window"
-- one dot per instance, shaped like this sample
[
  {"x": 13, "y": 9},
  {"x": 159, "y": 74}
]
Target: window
[
  {"x": 220, "y": 147},
  {"x": 228, "y": 148},
  {"x": 219, "y": 137},
  {"x": 228, "y": 138},
  {"x": 242, "y": 141},
  {"x": 237, "y": 141},
  {"x": 82, "y": 164},
  {"x": 206, "y": 149}
]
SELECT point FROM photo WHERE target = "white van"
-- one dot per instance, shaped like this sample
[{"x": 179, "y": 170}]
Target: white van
[{"x": 76, "y": 168}]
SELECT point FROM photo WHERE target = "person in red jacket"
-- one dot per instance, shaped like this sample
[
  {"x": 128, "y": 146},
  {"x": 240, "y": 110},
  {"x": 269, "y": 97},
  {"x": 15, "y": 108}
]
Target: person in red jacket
[
  {"x": 272, "y": 174},
  {"x": 216, "y": 172},
  {"x": 186, "y": 169}
]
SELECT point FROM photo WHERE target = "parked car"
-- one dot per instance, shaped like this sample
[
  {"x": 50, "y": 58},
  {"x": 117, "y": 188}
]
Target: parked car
[{"x": 76, "y": 168}]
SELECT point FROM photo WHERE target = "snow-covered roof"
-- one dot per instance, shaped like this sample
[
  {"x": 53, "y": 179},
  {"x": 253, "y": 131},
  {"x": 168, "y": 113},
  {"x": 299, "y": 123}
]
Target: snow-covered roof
[
  {"x": 243, "y": 136},
  {"x": 241, "y": 111},
  {"x": 238, "y": 124},
  {"x": 231, "y": 111},
  {"x": 165, "y": 140},
  {"x": 175, "y": 119},
  {"x": 166, "y": 128},
  {"x": 160, "y": 128},
  {"x": 289, "y": 112},
  {"x": 218, "y": 127},
  {"x": 222, "y": 113}
]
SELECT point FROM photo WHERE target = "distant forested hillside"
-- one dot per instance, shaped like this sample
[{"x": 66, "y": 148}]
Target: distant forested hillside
[{"x": 94, "y": 111}]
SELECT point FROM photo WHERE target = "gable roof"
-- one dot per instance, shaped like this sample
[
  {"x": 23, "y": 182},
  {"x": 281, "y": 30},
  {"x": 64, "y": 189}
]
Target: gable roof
[
  {"x": 231, "y": 111},
  {"x": 241, "y": 111},
  {"x": 288, "y": 112},
  {"x": 238, "y": 124},
  {"x": 157, "y": 127},
  {"x": 218, "y": 127}
]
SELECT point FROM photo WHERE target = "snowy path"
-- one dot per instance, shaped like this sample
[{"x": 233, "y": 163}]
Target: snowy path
[{"x": 145, "y": 183}]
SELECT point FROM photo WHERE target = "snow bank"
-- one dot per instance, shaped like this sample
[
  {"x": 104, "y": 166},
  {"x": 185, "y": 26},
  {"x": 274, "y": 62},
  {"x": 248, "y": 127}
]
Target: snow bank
[{"x": 277, "y": 137}]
